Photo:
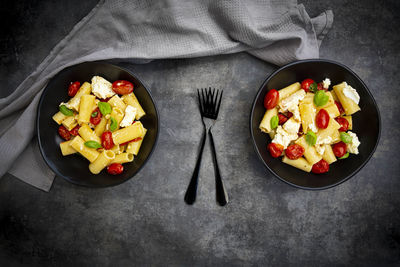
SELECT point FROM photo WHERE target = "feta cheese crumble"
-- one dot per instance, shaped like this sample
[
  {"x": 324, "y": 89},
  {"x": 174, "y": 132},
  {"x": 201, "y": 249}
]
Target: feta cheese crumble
[
  {"x": 320, "y": 149},
  {"x": 291, "y": 126},
  {"x": 326, "y": 83},
  {"x": 130, "y": 114},
  {"x": 351, "y": 93},
  {"x": 291, "y": 103},
  {"x": 101, "y": 87},
  {"x": 353, "y": 146},
  {"x": 324, "y": 141},
  {"x": 65, "y": 104},
  {"x": 283, "y": 138}
]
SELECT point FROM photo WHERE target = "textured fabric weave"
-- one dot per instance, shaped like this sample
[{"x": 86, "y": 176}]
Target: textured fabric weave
[{"x": 275, "y": 31}]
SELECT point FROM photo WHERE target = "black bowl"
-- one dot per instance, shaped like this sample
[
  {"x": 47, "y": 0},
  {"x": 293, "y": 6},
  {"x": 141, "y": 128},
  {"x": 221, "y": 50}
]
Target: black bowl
[
  {"x": 74, "y": 168},
  {"x": 366, "y": 123}
]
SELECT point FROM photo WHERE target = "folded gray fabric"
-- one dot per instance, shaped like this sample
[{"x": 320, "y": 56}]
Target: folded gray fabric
[{"x": 275, "y": 31}]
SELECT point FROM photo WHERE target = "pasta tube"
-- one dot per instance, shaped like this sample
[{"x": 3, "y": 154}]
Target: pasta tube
[
  {"x": 69, "y": 123},
  {"x": 88, "y": 134},
  {"x": 135, "y": 146},
  {"x": 328, "y": 155},
  {"x": 307, "y": 114},
  {"x": 102, "y": 161},
  {"x": 299, "y": 163},
  {"x": 288, "y": 90},
  {"x": 85, "y": 108},
  {"x": 66, "y": 149},
  {"x": 265, "y": 124},
  {"x": 128, "y": 133},
  {"x": 332, "y": 110},
  {"x": 118, "y": 115},
  {"x": 131, "y": 99},
  {"x": 99, "y": 129},
  {"x": 74, "y": 102},
  {"x": 309, "y": 151},
  {"x": 350, "y": 121},
  {"x": 123, "y": 158},
  {"x": 59, "y": 117},
  {"x": 328, "y": 132},
  {"x": 90, "y": 153},
  {"x": 348, "y": 104},
  {"x": 116, "y": 102}
]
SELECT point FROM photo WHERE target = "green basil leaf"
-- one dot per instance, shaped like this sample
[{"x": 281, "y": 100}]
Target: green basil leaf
[
  {"x": 104, "y": 107},
  {"x": 311, "y": 138},
  {"x": 274, "y": 122},
  {"x": 313, "y": 87},
  {"x": 66, "y": 111},
  {"x": 345, "y": 137},
  {"x": 92, "y": 144},
  {"x": 321, "y": 98},
  {"x": 94, "y": 114},
  {"x": 345, "y": 156},
  {"x": 113, "y": 124}
]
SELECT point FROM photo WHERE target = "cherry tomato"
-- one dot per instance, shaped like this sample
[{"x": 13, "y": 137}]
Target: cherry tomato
[
  {"x": 97, "y": 117},
  {"x": 74, "y": 131},
  {"x": 294, "y": 151},
  {"x": 282, "y": 118},
  {"x": 271, "y": 99},
  {"x": 122, "y": 87},
  {"x": 64, "y": 133},
  {"x": 339, "y": 149},
  {"x": 275, "y": 149},
  {"x": 133, "y": 140},
  {"x": 106, "y": 140},
  {"x": 115, "y": 168},
  {"x": 320, "y": 167},
  {"x": 289, "y": 114},
  {"x": 339, "y": 106},
  {"x": 320, "y": 86},
  {"x": 300, "y": 133},
  {"x": 73, "y": 88},
  {"x": 105, "y": 100},
  {"x": 344, "y": 124},
  {"x": 305, "y": 85},
  {"x": 322, "y": 119}
]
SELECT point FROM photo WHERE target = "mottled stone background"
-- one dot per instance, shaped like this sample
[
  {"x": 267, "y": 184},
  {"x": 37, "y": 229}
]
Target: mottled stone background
[{"x": 146, "y": 222}]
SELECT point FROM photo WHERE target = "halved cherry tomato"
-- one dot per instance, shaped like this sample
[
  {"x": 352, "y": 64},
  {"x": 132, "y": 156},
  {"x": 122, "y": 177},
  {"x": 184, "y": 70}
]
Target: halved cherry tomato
[
  {"x": 340, "y": 107},
  {"x": 115, "y": 168},
  {"x": 294, "y": 151},
  {"x": 275, "y": 149},
  {"x": 320, "y": 167},
  {"x": 95, "y": 118},
  {"x": 133, "y": 140},
  {"x": 74, "y": 131},
  {"x": 339, "y": 149},
  {"x": 282, "y": 118},
  {"x": 305, "y": 85},
  {"x": 122, "y": 87},
  {"x": 322, "y": 119},
  {"x": 289, "y": 114},
  {"x": 105, "y": 99},
  {"x": 344, "y": 124},
  {"x": 64, "y": 133},
  {"x": 271, "y": 99},
  {"x": 73, "y": 88},
  {"x": 106, "y": 140}
]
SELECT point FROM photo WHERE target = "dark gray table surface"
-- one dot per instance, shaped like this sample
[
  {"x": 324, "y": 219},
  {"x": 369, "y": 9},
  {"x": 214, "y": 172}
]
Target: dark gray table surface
[{"x": 145, "y": 221}]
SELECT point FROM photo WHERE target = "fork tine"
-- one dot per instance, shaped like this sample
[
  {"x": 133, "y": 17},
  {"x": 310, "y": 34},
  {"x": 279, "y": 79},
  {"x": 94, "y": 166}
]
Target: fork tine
[
  {"x": 204, "y": 100},
  {"x": 219, "y": 103},
  {"x": 200, "y": 104}
]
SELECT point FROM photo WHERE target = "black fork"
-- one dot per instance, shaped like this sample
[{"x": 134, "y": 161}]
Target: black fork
[{"x": 209, "y": 104}]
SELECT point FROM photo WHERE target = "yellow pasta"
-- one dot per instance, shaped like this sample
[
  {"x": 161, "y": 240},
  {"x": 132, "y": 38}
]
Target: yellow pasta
[
  {"x": 102, "y": 161},
  {"x": 78, "y": 144},
  {"x": 307, "y": 114},
  {"x": 128, "y": 133},
  {"x": 70, "y": 123},
  {"x": 299, "y": 163},
  {"x": 118, "y": 115},
  {"x": 134, "y": 147},
  {"x": 349, "y": 106},
  {"x": 66, "y": 148},
  {"x": 116, "y": 102},
  {"x": 309, "y": 151},
  {"x": 335, "y": 137},
  {"x": 328, "y": 132},
  {"x": 86, "y": 108},
  {"x": 334, "y": 96},
  {"x": 88, "y": 134},
  {"x": 265, "y": 124},
  {"x": 350, "y": 121},
  {"x": 288, "y": 90},
  {"x": 59, "y": 117},
  {"x": 332, "y": 110},
  {"x": 100, "y": 128},
  {"x": 74, "y": 102},
  {"x": 123, "y": 158},
  {"x": 328, "y": 155},
  {"x": 116, "y": 149},
  {"x": 131, "y": 99}
]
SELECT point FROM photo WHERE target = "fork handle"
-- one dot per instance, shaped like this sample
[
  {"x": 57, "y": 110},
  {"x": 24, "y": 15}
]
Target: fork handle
[
  {"x": 191, "y": 191},
  {"x": 222, "y": 196}
]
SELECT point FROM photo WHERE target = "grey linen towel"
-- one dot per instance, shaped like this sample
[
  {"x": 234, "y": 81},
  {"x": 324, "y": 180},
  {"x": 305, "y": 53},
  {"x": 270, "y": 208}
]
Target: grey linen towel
[{"x": 275, "y": 31}]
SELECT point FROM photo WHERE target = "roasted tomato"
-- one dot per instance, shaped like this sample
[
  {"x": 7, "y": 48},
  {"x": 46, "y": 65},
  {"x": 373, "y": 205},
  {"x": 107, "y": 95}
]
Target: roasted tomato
[
  {"x": 271, "y": 99},
  {"x": 106, "y": 140},
  {"x": 133, "y": 140},
  {"x": 64, "y": 133},
  {"x": 305, "y": 85},
  {"x": 122, "y": 87},
  {"x": 294, "y": 151},
  {"x": 289, "y": 114},
  {"x": 320, "y": 167},
  {"x": 344, "y": 124},
  {"x": 95, "y": 118},
  {"x": 282, "y": 118},
  {"x": 115, "y": 168},
  {"x": 275, "y": 149},
  {"x": 340, "y": 107},
  {"x": 320, "y": 86},
  {"x": 339, "y": 149},
  {"x": 73, "y": 88},
  {"x": 74, "y": 131},
  {"x": 322, "y": 119}
]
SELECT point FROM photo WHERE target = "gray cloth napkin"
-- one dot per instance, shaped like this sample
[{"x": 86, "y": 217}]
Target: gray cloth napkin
[{"x": 275, "y": 31}]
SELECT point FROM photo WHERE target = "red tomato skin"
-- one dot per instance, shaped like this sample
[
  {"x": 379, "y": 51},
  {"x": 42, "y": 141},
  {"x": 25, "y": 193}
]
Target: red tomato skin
[
  {"x": 289, "y": 114},
  {"x": 344, "y": 124},
  {"x": 340, "y": 107},
  {"x": 115, "y": 169},
  {"x": 106, "y": 140},
  {"x": 275, "y": 149},
  {"x": 322, "y": 119},
  {"x": 95, "y": 120},
  {"x": 320, "y": 167},
  {"x": 339, "y": 149},
  {"x": 64, "y": 133},
  {"x": 271, "y": 99},
  {"x": 282, "y": 118},
  {"x": 74, "y": 131},
  {"x": 122, "y": 87},
  {"x": 294, "y": 151},
  {"x": 133, "y": 140},
  {"x": 73, "y": 88},
  {"x": 305, "y": 85}
]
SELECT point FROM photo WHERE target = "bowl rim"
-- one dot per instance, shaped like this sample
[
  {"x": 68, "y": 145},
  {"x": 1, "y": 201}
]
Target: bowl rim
[
  {"x": 301, "y": 62},
  {"x": 38, "y": 131}
]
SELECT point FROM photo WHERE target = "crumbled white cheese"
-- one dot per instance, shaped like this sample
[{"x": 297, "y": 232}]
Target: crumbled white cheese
[
  {"x": 313, "y": 127},
  {"x": 291, "y": 103},
  {"x": 320, "y": 149},
  {"x": 101, "y": 87},
  {"x": 283, "y": 138},
  {"x": 130, "y": 114},
  {"x": 291, "y": 126},
  {"x": 65, "y": 104},
  {"x": 326, "y": 83},
  {"x": 351, "y": 93},
  {"x": 353, "y": 146},
  {"x": 324, "y": 141}
]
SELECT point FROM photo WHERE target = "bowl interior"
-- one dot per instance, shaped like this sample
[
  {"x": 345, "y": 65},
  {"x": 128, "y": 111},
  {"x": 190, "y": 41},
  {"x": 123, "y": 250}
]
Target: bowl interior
[
  {"x": 366, "y": 123},
  {"x": 74, "y": 168}
]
